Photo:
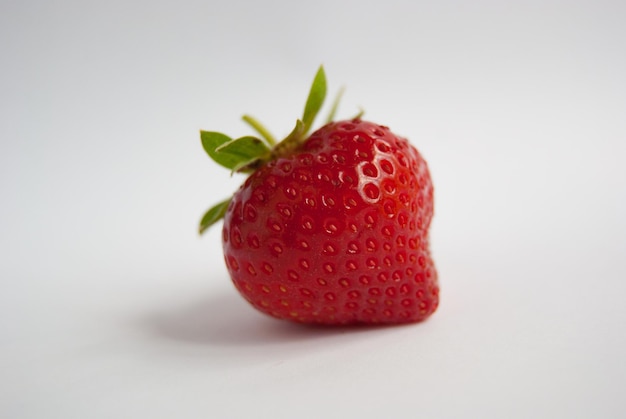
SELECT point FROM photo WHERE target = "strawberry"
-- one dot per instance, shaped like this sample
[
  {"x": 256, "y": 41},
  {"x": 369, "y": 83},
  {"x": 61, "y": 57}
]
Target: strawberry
[{"x": 330, "y": 228}]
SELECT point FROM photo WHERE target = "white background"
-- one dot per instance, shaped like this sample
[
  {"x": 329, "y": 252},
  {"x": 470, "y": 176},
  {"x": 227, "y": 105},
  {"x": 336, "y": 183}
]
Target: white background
[{"x": 111, "y": 306}]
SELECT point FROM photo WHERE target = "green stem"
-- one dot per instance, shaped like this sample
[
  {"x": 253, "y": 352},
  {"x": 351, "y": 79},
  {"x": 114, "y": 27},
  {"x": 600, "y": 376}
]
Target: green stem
[{"x": 258, "y": 127}]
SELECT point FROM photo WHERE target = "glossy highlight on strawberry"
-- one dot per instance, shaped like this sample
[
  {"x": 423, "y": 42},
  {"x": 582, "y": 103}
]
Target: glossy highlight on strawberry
[{"x": 334, "y": 230}]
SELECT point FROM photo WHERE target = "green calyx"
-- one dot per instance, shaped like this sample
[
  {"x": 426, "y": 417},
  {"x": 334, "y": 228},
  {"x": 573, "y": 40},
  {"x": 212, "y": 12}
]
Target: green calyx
[{"x": 246, "y": 154}]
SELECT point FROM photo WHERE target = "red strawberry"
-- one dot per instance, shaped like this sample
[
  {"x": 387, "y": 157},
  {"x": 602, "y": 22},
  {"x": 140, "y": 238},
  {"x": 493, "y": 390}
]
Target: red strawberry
[{"x": 329, "y": 229}]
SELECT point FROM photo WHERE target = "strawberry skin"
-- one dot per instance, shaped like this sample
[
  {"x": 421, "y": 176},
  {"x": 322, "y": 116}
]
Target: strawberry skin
[{"x": 336, "y": 231}]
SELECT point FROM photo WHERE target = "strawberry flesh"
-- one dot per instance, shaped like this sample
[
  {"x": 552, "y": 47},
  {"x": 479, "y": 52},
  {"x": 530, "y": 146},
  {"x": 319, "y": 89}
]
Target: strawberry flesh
[{"x": 336, "y": 232}]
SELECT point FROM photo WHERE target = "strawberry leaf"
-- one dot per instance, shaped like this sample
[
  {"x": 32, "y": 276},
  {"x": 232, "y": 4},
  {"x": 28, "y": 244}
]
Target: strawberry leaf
[
  {"x": 211, "y": 141},
  {"x": 314, "y": 102},
  {"x": 213, "y": 215},
  {"x": 232, "y": 153},
  {"x": 242, "y": 150}
]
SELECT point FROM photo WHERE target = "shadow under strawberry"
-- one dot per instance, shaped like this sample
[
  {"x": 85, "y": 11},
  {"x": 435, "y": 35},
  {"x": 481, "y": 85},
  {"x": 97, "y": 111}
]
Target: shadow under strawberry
[{"x": 224, "y": 319}]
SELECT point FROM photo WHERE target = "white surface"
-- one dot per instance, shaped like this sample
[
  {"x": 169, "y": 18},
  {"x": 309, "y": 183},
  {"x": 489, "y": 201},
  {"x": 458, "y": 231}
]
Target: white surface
[{"x": 112, "y": 307}]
